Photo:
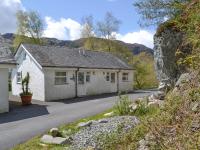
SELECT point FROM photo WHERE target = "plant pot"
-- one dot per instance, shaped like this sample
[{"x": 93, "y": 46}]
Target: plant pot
[{"x": 26, "y": 99}]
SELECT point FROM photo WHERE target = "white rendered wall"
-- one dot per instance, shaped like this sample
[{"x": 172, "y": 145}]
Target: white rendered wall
[
  {"x": 56, "y": 92},
  {"x": 98, "y": 83},
  {"x": 4, "y": 102},
  {"x": 126, "y": 86},
  {"x": 27, "y": 64}
]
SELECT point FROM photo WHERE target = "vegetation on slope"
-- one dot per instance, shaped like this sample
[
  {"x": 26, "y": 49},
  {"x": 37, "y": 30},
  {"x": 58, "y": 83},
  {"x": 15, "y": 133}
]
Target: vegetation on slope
[{"x": 176, "y": 125}]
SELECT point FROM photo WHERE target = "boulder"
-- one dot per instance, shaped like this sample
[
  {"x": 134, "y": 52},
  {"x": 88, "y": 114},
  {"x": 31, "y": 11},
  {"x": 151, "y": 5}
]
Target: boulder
[
  {"x": 160, "y": 95},
  {"x": 153, "y": 104},
  {"x": 164, "y": 86},
  {"x": 195, "y": 106},
  {"x": 143, "y": 145},
  {"x": 185, "y": 77},
  {"x": 133, "y": 106},
  {"x": 54, "y": 132},
  {"x": 48, "y": 139},
  {"x": 156, "y": 103},
  {"x": 103, "y": 121},
  {"x": 85, "y": 124},
  {"x": 109, "y": 114}
]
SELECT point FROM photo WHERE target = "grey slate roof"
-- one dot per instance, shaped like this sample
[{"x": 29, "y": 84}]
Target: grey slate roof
[
  {"x": 54, "y": 56},
  {"x": 7, "y": 60}
]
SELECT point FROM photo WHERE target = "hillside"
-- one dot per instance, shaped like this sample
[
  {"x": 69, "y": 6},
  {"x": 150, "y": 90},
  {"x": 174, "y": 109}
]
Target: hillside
[{"x": 7, "y": 39}]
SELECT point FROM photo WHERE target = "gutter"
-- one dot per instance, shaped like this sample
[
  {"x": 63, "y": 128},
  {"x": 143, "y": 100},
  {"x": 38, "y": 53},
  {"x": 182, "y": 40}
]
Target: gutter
[
  {"x": 76, "y": 82},
  {"x": 118, "y": 81}
]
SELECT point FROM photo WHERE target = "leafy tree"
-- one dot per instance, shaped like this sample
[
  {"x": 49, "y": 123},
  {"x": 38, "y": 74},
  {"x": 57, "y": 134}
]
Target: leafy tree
[
  {"x": 29, "y": 29},
  {"x": 144, "y": 76},
  {"x": 154, "y": 12}
]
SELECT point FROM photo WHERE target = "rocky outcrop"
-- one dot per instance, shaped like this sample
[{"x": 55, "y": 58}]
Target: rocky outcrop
[{"x": 165, "y": 45}]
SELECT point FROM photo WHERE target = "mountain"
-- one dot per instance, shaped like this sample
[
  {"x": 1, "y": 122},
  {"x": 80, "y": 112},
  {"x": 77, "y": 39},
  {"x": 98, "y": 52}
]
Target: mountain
[{"x": 6, "y": 41}]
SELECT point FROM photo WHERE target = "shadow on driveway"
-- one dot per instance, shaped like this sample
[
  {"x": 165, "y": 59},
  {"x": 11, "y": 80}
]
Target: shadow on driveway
[
  {"x": 39, "y": 108},
  {"x": 18, "y": 112}
]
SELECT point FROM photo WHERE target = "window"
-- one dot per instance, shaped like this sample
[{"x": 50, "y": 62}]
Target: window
[
  {"x": 88, "y": 77},
  {"x": 81, "y": 78},
  {"x": 60, "y": 78},
  {"x": 107, "y": 76},
  {"x": 19, "y": 77},
  {"x": 112, "y": 77},
  {"x": 125, "y": 77}
]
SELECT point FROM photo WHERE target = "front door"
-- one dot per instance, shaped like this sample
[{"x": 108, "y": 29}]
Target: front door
[{"x": 81, "y": 87}]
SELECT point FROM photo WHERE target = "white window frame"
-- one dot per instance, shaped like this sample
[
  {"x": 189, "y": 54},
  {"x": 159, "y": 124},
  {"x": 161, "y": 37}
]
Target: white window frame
[
  {"x": 88, "y": 76},
  {"x": 60, "y": 77},
  {"x": 125, "y": 77},
  {"x": 19, "y": 77}
]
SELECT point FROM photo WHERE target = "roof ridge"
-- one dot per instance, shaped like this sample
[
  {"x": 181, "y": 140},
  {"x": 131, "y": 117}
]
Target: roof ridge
[{"x": 71, "y": 48}]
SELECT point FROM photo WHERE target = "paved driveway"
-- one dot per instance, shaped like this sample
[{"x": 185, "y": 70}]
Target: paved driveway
[{"x": 23, "y": 123}]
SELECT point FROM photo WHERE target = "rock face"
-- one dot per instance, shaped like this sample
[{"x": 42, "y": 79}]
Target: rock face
[{"x": 165, "y": 45}]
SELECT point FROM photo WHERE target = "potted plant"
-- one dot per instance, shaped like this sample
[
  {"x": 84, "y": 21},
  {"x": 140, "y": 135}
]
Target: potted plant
[{"x": 26, "y": 95}]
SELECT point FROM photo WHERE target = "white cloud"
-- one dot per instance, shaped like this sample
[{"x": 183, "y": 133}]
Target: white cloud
[
  {"x": 8, "y": 9},
  {"x": 141, "y": 37},
  {"x": 68, "y": 29},
  {"x": 63, "y": 29}
]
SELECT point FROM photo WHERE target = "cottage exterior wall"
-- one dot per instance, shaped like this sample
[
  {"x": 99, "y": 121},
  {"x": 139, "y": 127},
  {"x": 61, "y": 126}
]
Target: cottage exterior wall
[
  {"x": 96, "y": 85},
  {"x": 55, "y": 92},
  {"x": 126, "y": 86},
  {"x": 4, "y": 104},
  {"x": 27, "y": 64}
]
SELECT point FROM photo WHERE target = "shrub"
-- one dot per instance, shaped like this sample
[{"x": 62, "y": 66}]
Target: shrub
[{"x": 122, "y": 107}]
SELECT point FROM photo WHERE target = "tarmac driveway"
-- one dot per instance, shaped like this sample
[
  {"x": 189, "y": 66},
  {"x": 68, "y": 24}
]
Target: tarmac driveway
[{"x": 23, "y": 123}]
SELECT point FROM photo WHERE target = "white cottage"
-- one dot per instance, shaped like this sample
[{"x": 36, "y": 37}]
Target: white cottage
[
  {"x": 5, "y": 65},
  {"x": 61, "y": 72}
]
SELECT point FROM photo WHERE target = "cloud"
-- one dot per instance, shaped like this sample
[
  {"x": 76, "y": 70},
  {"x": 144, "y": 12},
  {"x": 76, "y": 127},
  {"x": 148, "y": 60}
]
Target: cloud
[
  {"x": 8, "y": 9},
  {"x": 63, "y": 29},
  {"x": 69, "y": 29},
  {"x": 141, "y": 37}
]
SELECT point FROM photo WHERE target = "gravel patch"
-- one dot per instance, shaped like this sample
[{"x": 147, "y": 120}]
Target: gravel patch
[{"x": 91, "y": 136}]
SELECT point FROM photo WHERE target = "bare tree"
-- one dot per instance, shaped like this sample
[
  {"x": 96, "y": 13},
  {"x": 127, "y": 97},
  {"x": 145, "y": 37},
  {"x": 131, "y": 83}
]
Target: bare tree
[
  {"x": 88, "y": 27},
  {"x": 108, "y": 26},
  {"x": 29, "y": 27}
]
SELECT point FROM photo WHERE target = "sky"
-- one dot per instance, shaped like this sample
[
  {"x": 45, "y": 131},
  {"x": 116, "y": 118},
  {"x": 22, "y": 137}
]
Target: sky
[{"x": 62, "y": 18}]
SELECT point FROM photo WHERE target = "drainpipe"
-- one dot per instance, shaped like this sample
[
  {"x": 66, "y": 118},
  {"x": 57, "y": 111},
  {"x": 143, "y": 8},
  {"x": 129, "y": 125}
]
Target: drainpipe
[
  {"x": 118, "y": 81},
  {"x": 76, "y": 82}
]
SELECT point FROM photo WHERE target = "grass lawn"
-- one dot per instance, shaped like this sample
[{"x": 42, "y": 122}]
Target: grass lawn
[{"x": 69, "y": 129}]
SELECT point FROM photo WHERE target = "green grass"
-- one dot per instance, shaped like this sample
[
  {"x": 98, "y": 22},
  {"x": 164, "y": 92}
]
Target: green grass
[{"x": 69, "y": 129}]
